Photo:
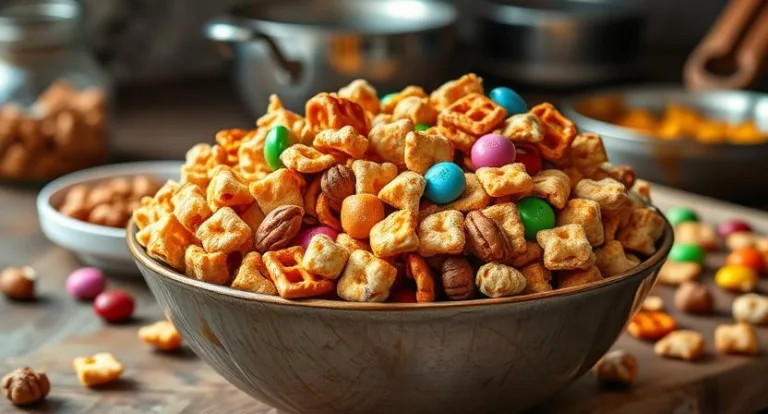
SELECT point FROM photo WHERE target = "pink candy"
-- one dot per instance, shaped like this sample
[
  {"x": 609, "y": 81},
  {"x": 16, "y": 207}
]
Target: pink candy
[
  {"x": 493, "y": 150},
  {"x": 306, "y": 236},
  {"x": 85, "y": 283}
]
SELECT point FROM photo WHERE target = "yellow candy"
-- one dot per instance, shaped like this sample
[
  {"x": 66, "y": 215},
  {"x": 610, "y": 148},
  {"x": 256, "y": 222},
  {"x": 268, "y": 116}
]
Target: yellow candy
[{"x": 736, "y": 278}]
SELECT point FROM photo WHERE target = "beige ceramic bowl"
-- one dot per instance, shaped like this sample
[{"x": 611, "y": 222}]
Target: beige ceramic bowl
[{"x": 328, "y": 357}]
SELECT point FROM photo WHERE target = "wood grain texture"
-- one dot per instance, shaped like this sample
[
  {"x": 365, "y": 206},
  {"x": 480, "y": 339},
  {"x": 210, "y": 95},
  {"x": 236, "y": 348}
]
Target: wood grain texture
[{"x": 47, "y": 334}]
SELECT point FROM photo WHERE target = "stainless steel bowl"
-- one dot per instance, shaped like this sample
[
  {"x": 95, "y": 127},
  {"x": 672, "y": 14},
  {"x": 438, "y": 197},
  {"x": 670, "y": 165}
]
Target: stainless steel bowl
[
  {"x": 299, "y": 48},
  {"x": 560, "y": 42},
  {"x": 727, "y": 171}
]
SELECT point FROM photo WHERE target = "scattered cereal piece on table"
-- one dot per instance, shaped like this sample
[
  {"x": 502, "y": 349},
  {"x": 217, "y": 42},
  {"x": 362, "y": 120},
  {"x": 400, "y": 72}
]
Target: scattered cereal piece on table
[
  {"x": 739, "y": 338},
  {"x": 751, "y": 308},
  {"x": 675, "y": 273},
  {"x": 101, "y": 368},
  {"x": 652, "y": 304},
  {"x": 616, "y": 368},
  {"x": 161, "y": 335},
  {"x": 693, "y": 297},
  {"x": 683, "y": 344}
]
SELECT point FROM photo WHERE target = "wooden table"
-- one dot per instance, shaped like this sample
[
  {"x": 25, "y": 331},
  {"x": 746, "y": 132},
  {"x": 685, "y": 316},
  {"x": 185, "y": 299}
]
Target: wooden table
[{"x": 49, "y": 333}]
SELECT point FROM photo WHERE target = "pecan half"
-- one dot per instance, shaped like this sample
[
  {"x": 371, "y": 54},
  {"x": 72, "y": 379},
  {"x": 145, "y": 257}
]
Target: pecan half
[
  {"x": 279, "y": 228},
  {"x": 484, "y": 238},
  {"x": 458, "y": 278},
  {"x": 337, "y": 184}
]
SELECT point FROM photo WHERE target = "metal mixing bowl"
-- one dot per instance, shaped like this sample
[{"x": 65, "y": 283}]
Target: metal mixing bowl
[{"x": 727, "y": 171}]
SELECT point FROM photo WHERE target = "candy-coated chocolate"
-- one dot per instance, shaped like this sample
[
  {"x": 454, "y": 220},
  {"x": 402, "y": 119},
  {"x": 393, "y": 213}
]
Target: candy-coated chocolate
[
  {"x": 114, "y": 306},
  {"x": 492, "y": 150},
  {"x": 509, "y": 99},
  {"x": 445, "y": 183},
  {"x": 306, "y": 236},
  {"x": 536, "y": 215},
  {"x": 687, "y": 253},
  {"x": 679, "y": 215},
  {"x": 529, "y": 156},
  {"x": 278, "y": 140},
  {"x": 729, "y": 227},
  {"x": 403, "y": 296},
  {"x": 747, "y": 257},
  {"x": 737, "y": 278},
  {"x": 421, "y": 127},
  {"x": 85, "y": 283},
  {"x": 388, "y": 97}
]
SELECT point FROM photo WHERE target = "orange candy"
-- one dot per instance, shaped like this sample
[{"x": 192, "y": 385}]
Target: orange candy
[
  {"x": 747, "y": 257},
  {"x": 359, "y": 213},
  {"x": 651, "y": 326}
]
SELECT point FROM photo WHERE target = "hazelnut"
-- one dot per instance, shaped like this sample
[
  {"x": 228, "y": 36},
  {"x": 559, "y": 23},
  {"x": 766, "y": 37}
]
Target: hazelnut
[
  {"x": 693, "y": 297},
  {"x": 18, "y": 282},
  {"x": 25, "y": 386}
]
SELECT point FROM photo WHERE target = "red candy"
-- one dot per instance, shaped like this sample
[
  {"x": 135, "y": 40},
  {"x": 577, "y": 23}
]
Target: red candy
[
  {"x": 403, "y": 296},
  {"x": 729, "y": 227},
  {"x": 114, "y": 306},
  {"x": 530, "y": 157}
]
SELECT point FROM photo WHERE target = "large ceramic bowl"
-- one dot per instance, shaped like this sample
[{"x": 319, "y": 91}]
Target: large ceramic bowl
[{"x": 327, "y": 357}]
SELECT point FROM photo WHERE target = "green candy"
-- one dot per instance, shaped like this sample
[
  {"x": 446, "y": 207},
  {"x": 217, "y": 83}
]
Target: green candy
[
  {"x": 421, "y": 127},
  {"x": 687, "y": 253},
  {"x": 278, "y": 140},
  {"x": 679, "y": 215},
  {"x": 388, "y": 97},
  {"x": 537, "y": 215}
]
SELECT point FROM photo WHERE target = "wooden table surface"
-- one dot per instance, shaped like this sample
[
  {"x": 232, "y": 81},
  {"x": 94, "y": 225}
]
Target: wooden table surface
[{"x": 49, "y": 333}]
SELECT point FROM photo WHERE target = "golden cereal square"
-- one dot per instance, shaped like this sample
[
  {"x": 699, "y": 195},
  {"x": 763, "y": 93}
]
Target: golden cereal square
[{"x": 442, "y": 233}]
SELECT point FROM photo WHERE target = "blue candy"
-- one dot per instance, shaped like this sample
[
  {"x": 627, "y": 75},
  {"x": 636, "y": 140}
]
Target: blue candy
[
  {"x": 445, "y": 183},
  {"x": 509, "y": 99}
]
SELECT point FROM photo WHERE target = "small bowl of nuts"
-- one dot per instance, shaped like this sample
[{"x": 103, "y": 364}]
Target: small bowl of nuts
[{"x": 87, "y": 211}]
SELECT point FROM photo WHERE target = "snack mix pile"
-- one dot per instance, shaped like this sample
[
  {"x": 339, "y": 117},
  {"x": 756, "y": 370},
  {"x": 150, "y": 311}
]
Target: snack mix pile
[{"x": 412, "y": 198}]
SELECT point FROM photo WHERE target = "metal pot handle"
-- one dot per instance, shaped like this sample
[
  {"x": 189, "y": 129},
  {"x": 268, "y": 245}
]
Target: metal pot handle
[{"x": 230, "y": 30}]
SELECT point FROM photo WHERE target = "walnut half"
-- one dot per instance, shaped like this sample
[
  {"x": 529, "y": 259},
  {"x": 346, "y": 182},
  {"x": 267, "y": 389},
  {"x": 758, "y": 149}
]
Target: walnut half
[{"x": 25, "y": 386}]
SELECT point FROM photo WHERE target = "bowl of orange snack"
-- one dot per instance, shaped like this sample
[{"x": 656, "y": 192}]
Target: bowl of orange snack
[
  {"x": 426, "y": 253},
  {"x": 708, "y": 142}
]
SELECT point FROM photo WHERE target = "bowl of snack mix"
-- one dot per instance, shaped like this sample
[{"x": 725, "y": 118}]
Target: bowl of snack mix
[
  {"x": 87, "y": 211},
  {"x": 422, "y": 253},
  {"x": 708, "y": 142}
]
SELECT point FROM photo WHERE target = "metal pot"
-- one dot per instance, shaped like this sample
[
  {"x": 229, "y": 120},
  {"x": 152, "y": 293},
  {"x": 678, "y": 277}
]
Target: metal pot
[
  {"x": 298, "y": 48},
  {"x": 561, "y": 43}
]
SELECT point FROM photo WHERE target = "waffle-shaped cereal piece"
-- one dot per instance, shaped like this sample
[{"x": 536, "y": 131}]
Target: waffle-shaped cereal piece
[
  {"x": 277, "y": 189},
  {"x": 700, "y": 234},
  {"x": 612, "y": 260},
  {"x": 325, "y": 111},
  {"x": 395, "y": 234},
  {"x": 509, "y": 180},
  {"x": 252, "y": 276},
  {"x": 585, "y": 213},
  {"x": 225, "y": 232},
  {"x": 324, "y": 257},
  {"x": 675, "y": 273},
  {"x": 523, "y": 128},
  {"x": 225, "y": 190},
  {"x": 371, "y": 177},
  {"x": 306, "y": 159},
  {"x": 559, "y": 132},
  {"x": 161, "y": 335},
  {"x": 208, "y": 267},
  {"x": 533, "y": 253},
  {"x": 366, "y": 278},
  {"x": 99, "y": 369},
  {"x": 566, "y": 248},
  {"x": 609, "y": 193},
  {"x": 496, "y": 280},
  {"x": 453, "y": 90},
  {"x": 538, "y": 278},
  {"x": 423, "y": 150},
  {"x": 167, "y": 241},
  {"x": 291, "y": 279},
  {"x": 405, "y": 191},
  {"x": 506, "y": 216},
  {"x": 442, "y": 233},
  {"x": 651, "y": 326},
  {"x": 572, "y": 278},
  {"x": 410, "y": 90},
  {"x": 190, "y": 207},
  {"x": 417, "y": 269},
  {"x": 460, "y": 140},
  {"x": 644, "y": 228},
  {"x": 751, "y": 308},
  {"x": 388, "y": 140},
  {"x": 351, "y": 244},
  {"x": 553, "y": 186},
  {"x": 346, "y": 140},
  {"x": 416, "y": 109},
  {"x": 739, "y": 338},
  {"x": 474, "y": 114},
  {"x": 587, "y": 152},
  {"x": 362, "y": 93},
  {"x": 683, "y": 344}
]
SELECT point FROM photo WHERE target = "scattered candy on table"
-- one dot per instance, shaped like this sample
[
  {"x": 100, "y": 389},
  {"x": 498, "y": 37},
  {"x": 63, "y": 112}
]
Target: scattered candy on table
[
  {"x": 679, "y": 215},
  {"x": 114, "y": 306},
  {"x": 729, "y": 227},
  {"x": 687, "y": 253},
  {"x": 737, "y": 278},
  {"x": 85, "y": 283},
  {"x": 748, "y": 257}
]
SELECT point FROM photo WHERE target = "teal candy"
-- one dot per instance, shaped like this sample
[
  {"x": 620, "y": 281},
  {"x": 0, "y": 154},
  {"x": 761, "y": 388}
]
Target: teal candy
[
  {"x": 421, "y": 127},
  {"x": 445, "y": 183},
  {"x": 537, "y": 215},
  {"x": 278, "y": 140},
  {"x": 679, "y": 215},
  {"x": 388, "y": 97},
  {"x": 509, "y": 99},
  {"x": 687, "y": 253}
]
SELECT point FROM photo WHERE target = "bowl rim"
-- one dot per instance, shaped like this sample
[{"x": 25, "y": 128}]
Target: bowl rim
[
  {"x": 614, "y": 131},
  {"x": 144, "y": 260}
]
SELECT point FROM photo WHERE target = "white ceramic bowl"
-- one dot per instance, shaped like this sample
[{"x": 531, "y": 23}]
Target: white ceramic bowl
[{"x": 99, "y": 246}]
